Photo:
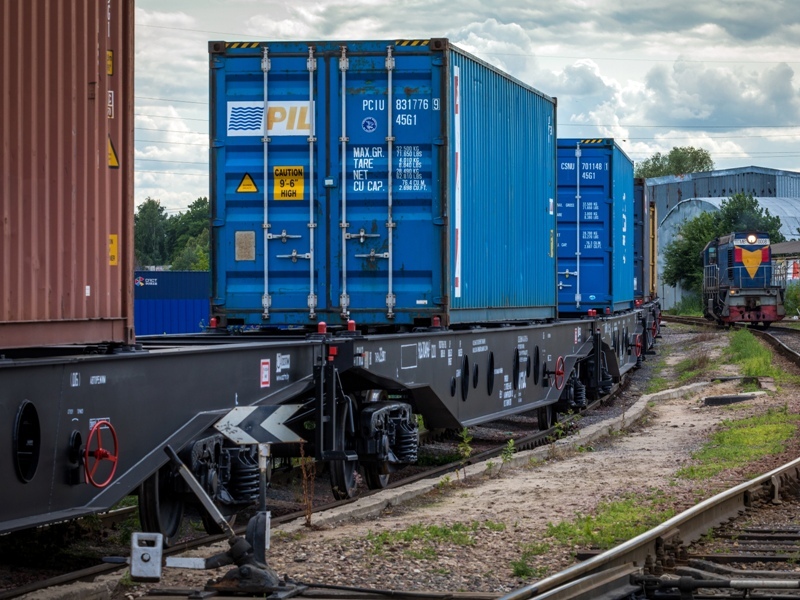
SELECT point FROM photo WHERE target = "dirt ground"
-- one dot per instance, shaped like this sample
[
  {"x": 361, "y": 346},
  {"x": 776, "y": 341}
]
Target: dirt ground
[{"x": 511, "y": 510}]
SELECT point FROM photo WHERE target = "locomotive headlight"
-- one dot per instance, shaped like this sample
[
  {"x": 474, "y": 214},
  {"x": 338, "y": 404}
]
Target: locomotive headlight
[{"x": 751, "y": 238}]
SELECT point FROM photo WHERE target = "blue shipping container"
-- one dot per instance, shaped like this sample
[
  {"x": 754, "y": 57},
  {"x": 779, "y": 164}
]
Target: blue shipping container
[
  {"x": 171, "y": 301},
  {"x": 404, "y": 180},
  {"x": 640, "y": 216},
  {"x": 595, "y": 227}
]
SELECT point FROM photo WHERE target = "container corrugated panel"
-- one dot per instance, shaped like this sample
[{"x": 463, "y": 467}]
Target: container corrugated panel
[
  {"x": 66, "y": 178},
  {"x": 788, "y": 184},
  {"x": 404, "y": 180},
  {"x": 171, "y": 301},
  {"x": 596, "y": 232}
]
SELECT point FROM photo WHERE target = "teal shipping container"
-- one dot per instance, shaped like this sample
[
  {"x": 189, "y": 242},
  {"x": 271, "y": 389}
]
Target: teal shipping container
[
  {"x": 388, "y": 182},
  {"x": 171, "y": 301}
]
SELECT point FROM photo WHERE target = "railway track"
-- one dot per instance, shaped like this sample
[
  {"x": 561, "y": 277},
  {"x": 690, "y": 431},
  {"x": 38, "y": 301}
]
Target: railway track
[{"x": 658, "y": 564}]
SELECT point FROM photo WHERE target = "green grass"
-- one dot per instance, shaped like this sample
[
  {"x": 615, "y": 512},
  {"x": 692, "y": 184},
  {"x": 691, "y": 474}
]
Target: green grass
[
  {"x": 693, "y": 367},
  {"x": 741, "y": 442},
  {"x": 691, "y": 305},
  {"x": 522, "y": 567},
  {"x": 613, "y": 523},
  {"x": 422, "y": 541},
  {"x": 753, "y": 359}
]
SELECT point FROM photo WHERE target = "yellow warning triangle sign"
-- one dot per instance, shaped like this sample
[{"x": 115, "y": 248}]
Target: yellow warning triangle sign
[
  {"x": 247, "y": 184},
  {"x": 113, "y": 161}
]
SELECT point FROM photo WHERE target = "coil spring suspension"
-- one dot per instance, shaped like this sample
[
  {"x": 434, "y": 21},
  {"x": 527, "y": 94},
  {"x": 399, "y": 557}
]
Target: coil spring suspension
[
  {"x": 243, "y": 485},
  {"x": 406, "y": 442},
  {"x": 606, "y": 381},
  {"x": 580, "y": 393}
]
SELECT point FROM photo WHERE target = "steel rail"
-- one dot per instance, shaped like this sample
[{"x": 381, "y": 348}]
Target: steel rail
[{"x": 687, "y": 526}]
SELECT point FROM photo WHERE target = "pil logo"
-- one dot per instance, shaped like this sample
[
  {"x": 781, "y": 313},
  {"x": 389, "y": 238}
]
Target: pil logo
[
  {"x": 289, "y": 118},
  {"x": 284, "y": 117}
]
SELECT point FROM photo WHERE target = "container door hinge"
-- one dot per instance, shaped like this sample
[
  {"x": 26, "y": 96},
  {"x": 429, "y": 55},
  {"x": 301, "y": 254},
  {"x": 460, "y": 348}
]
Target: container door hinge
[
  {"x": 266, "y": 303},
  {"x": 391, "y": 302},
  {"x": 312, "y": 305}
]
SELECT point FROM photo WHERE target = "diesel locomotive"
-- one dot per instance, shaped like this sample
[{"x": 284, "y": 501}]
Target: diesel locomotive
[{"x": 740, "y": 282}]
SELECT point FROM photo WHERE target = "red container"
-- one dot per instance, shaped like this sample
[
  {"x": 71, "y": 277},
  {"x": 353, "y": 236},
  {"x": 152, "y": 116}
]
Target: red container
[{"x": 66, "y": 172}]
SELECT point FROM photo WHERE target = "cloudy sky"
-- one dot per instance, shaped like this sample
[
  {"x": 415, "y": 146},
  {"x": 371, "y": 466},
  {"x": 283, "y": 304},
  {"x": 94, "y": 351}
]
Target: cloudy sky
[{"x": 717, "y": 74}]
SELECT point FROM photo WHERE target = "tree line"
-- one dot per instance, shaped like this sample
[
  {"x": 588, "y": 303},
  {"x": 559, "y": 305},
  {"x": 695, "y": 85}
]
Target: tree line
[{"x": 180, "y": 241}]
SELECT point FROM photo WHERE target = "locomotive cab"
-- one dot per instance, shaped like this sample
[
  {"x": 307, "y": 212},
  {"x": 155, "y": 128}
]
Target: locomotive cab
[{"x": 740, "y": 283}]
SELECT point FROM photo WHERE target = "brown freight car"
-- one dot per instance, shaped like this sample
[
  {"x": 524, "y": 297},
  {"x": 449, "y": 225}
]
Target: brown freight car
[{"x": 66, "y": 172}]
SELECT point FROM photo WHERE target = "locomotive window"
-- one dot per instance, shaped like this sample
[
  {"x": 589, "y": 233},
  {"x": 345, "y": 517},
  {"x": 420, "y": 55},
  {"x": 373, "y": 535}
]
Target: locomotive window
[{"x": 712, "y": 256}]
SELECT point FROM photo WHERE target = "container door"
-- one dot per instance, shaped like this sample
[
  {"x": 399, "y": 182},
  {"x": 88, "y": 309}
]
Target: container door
[
  {"x": 584, "y": 230},
  {"x": 387, "y": 239},
  {"x": 266, "y": 210}
]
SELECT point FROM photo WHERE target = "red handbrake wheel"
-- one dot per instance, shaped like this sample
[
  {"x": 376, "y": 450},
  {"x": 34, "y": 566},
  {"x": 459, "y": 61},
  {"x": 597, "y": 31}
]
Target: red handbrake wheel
[
  {"x": 559, "y": 373},
  {"x": 93, "y": 457}
]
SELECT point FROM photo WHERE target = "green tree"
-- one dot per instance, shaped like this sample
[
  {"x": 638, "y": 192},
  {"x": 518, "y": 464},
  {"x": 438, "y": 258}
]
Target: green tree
[
  {"x": 683, "y": 261},
  {"x": 194, "y": 255},
  {"x": 680, "y": 160},
  {"x": 150, "y": 226},
  {"x": 742, "y": 212},
  {"x": 187, "y": 225}
]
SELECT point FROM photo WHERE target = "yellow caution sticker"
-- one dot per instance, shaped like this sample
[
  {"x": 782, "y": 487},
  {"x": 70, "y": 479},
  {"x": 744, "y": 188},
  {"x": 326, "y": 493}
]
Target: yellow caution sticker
[
  {"x": 113, "y": 250},
  {"x": 247, "y": 184},
  {"x": 109, "y": 62},
  {"x": 289, "y": 183},
  {"x": 113, "y": 161}
]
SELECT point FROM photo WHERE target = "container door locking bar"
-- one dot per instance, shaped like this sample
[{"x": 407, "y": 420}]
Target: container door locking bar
[
  {"x": 311, "y": 63},
  {"x": 390, "y": 224},
  {"x": 266, "y": 299}
]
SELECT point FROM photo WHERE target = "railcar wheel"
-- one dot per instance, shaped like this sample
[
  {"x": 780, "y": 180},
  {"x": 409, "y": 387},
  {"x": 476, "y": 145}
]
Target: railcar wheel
[
  {"x": 211, "y": 526},
  {"x": 375, "y": 480},
  {"x": 544, "y": 416},
  {"x": 160, "y": 505},
  {"x": 344, "y": 473}
]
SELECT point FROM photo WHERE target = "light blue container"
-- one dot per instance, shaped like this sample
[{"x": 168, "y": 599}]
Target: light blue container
[
  {"x": 171, "y": 301},
  {"x": 405, "y": 180},
  {"x": 595, "y": 227}
]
